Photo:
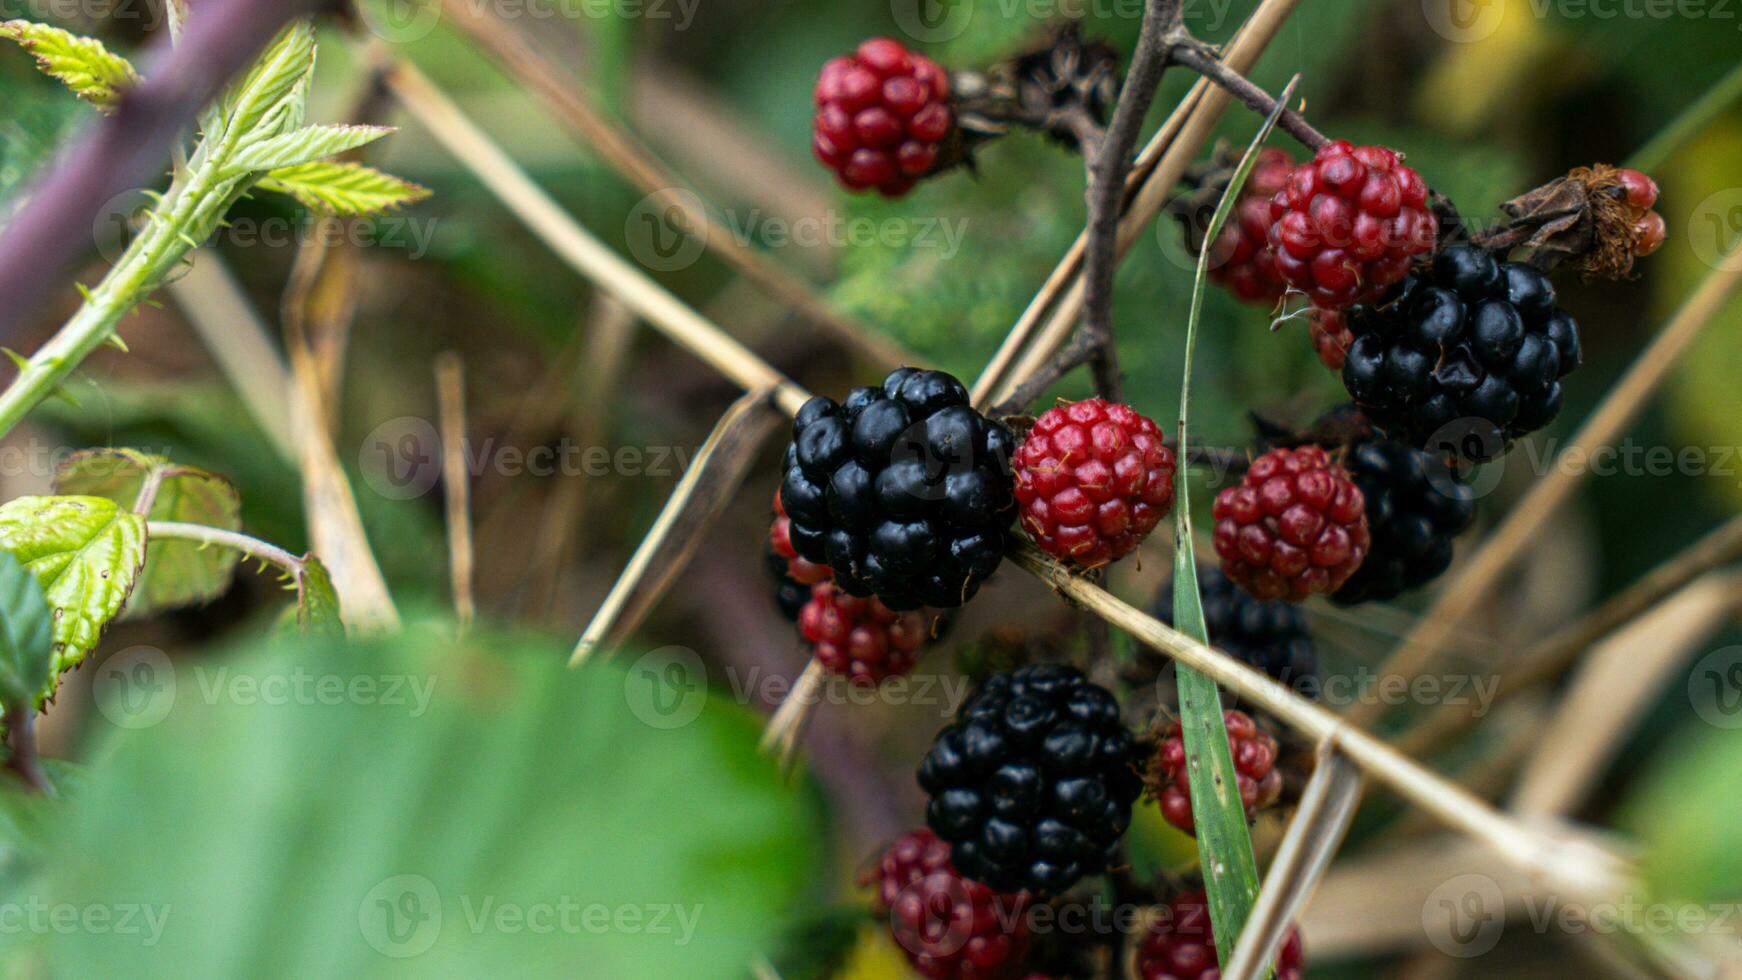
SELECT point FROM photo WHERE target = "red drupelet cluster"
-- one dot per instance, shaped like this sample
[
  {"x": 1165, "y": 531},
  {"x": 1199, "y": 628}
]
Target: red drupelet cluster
[
  {"x": 860, "y": 639},
  {"x": 1093, "y": 479},
  {"x": 1648, "y": 232},
  {"x": 1295, "y": 525},
  {"x": 1242, "y": 259},
  {"x": 1181, "y": 944},
  {"x": 883, "y": 112},
  {"x": 950, "y": 927},
  {"x": 1347, "y": 223},
  {"x": 1254, "y": 769}
]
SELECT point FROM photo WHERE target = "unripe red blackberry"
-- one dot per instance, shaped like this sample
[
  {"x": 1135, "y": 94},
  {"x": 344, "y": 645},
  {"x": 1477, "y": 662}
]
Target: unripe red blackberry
[
  {"x": 1471, "y": 341},
  {"x": 1331, "y": 337},
  {"x": 1181, "y": 944},
  {"x": 798, "y": 568},
  {"x": 883, "y": 113},
  {"x": 1093, "y": 479},
  {"x": 1242, "y": 259},
  {"x": 1254, "y": 770},
  {"x": 1293, "y": 526},
  {"x": 1415, "y": 507},
  {"x": 903, "y": 490},
  {"x": 1033, "y": 783},
  {"x": 1348, "y": 222},
  {"x": 949, "y": 926},
  {"x": 861, "y": 639},
  {"x": 1648, "y": 231}
]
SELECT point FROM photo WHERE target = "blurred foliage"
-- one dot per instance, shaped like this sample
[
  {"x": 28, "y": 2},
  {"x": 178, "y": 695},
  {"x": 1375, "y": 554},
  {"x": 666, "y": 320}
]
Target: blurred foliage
[
  {"x": 377, "y": 833},
  {"x": 1683, "y": 810}
]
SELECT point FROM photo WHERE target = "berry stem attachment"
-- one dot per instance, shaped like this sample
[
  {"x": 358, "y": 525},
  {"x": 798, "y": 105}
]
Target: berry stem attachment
[{"x": 1189, "y": 52}]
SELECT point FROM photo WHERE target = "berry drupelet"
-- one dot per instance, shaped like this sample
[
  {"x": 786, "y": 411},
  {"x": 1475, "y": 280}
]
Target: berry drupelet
[
  {"x": 790, "y": 595},
  {"x": 798, "y": 569},
  {"x": 949, "y": 926},
  {"x": 1347, "y": 223},
  {"x": 1464, "y": 357},
  {"x": 1415, "y": 507},
  {"x": 861, "y": 639},
  {"x": 1093, "y": 479},
  {"x": 1181, "y": 945},
  {"x": 1331, "y": 337},
  {"x": 902, "y": 490},
  {"x": 1271, "y": 636},
  {"x": 1242, "y": 260},
  {"x": 1293, "y": 526},
  {"x": 1254, "y": 769},
  {"x": 1033, "y": 783},
  {"x": 883, "y": 113}
]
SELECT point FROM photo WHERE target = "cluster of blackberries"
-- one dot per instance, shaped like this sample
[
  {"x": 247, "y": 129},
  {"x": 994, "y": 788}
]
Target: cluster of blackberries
[
  {"x": 1415, "y": 507},
  {"x": 903, "y": 490},
  {"x": 1464, "y": 357},
  {"x": 1033, "y": 783},
  {"x": 1271, "y": 636}
]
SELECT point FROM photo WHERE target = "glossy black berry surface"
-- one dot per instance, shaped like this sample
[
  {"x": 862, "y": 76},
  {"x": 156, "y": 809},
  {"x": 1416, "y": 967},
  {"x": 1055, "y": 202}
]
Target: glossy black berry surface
[
  {"x": 1464, "y": 357},
  {"x": 903, "y": 490},
  {"x": 1415, "y": 507},
  {"x": 1271, "y": 636},
  {"x": 1033, "y": 783}
]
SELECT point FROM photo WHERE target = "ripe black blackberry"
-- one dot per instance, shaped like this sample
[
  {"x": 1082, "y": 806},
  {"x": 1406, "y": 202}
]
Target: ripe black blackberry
[
  {"x": 1033, "y": 783},
  {"x": 1415, "y": 507},
  {"x": 790, "y": 595},
  {"x": 903, "y": 490},
  {"x": 1471, "y": 341},
  {"x": 1271, "y": 636}
]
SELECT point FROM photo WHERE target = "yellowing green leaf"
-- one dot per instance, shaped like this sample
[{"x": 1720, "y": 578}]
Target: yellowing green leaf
[
  {"x": 90, "y": 70},
  {"x": 305, "y": 145},
  {"x": 86, "y": 553},
  {"x": 177, "y": 573},
  {"x": 342, "y": 188}
]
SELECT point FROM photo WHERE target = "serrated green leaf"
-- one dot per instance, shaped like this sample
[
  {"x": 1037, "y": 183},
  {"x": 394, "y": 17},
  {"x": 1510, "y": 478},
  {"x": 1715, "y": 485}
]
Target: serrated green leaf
[
  {"x": 89, "y": 69},
  {"x": 177, "y": 573},
  {"x": 305, "y": 145},
  {"x": 26, "y": 646},
  {"x": 275, "y": 77},
  {"x": 86, "y": 553},
  {"x": 1225, "y": 855},
  {"x": 317, "y": 602},
  {"x": 342, "y": 188}
]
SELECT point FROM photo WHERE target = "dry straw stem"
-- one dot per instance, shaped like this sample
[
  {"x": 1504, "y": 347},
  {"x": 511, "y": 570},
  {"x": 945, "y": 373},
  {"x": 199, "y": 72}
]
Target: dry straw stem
[
  {"x": 787, "y": 723},
  {"x": 1152, "y": 188},
  {"x": 564, "y": 96},
  {"x": 1566, "y": 866},
  {"x": 577, "y": 246},
  {"x": 1314, "y": 833},
  {"x": 1572, "y": 867},
  {"x": 711, "y": 480},
  {"x": 1477, "y": 578},
  {"x": 1546, "y": 658},
  {"x": 1152, "y": 194},
  {"x": 1615, "y": 685},
  {"x": 450, "y": 377}
]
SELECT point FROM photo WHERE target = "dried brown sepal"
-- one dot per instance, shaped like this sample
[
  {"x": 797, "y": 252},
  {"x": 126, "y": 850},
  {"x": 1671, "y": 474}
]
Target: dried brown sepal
[
  {"x": 1064, "y": 88},
  {"x": 1581, "y": 220}
]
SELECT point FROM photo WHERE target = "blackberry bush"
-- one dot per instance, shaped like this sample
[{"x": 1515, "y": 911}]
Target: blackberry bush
[
  {"x": 1033, "y": 783},
  {"x": 903, "y": 491},
  {"x": 1464, "y": 357},
  {"x": 1415, "y": 508}
]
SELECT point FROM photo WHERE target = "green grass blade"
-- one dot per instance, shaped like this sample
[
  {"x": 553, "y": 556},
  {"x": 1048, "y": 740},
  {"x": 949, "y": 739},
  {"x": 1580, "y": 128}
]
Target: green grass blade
[{"x": 1224, "y": 843}]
